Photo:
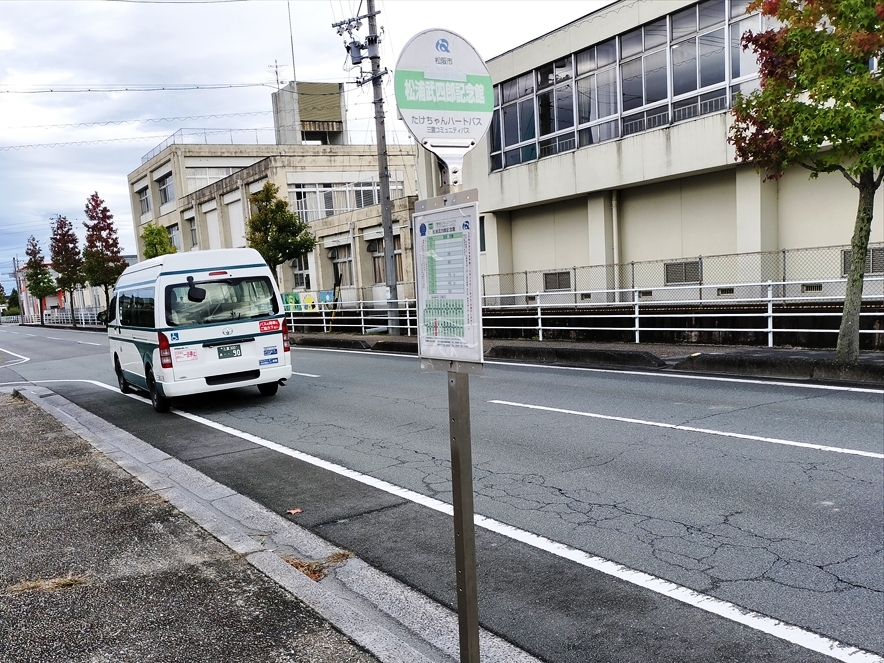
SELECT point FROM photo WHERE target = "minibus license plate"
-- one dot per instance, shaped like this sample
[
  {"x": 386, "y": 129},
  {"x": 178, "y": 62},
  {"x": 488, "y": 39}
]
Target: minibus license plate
[{"x": 227, "y": 351}]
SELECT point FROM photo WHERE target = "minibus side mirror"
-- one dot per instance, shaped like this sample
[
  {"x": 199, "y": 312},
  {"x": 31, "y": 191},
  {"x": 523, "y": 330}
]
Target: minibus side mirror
[{"x": 194, "y": 293}]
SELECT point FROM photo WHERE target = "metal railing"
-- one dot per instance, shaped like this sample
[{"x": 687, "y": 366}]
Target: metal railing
[
  {"x": 765, "y": 309},
  {"x": 58, "y": 317},
  {"x": 356, "y": 317},
  {"x": 624, "y": 311}
]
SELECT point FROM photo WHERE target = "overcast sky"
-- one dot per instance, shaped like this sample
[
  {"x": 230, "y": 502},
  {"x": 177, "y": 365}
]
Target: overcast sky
[{"x": 58, "y": 144}]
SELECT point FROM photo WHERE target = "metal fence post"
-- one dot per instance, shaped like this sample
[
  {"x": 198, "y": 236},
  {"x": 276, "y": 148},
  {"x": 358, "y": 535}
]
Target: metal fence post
[
  {"x": 407, "y": 320},
  {"x": 539, "y": 319},
  {"x": 769, "y": 314},
  {"x": 635, "y": 299},
  {"x": 322, "y": 310},
  {"x": 362, "y": 315}
]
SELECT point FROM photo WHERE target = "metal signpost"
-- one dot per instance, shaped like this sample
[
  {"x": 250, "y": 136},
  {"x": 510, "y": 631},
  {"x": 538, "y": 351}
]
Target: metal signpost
[{"x": 445, "y": 98}]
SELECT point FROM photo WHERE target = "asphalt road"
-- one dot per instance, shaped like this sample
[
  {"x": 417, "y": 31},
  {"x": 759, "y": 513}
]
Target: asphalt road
[{"x": 766, "y": 497}]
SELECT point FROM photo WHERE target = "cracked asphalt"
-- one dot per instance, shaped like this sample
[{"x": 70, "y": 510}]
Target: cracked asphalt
[{"x": 794, "y": 533}]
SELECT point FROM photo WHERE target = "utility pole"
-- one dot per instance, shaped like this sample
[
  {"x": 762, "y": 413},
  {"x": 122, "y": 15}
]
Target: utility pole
[{"x": 372, "y": 46}]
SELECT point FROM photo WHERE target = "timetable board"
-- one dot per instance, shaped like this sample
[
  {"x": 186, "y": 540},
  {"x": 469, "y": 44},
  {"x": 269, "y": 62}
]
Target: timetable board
[{"x": 448, "y": 287}]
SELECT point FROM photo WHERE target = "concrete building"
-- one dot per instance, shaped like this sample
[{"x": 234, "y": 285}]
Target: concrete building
[
  {"x": 608, "y": 166},
  {"x": 200, "y": 192}
]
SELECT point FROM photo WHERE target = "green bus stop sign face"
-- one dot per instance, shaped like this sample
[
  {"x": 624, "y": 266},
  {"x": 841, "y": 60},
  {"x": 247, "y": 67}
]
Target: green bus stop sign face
[{"x": 443, "y": 90}]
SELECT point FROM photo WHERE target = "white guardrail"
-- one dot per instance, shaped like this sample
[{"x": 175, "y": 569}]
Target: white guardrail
[{"x": 542, "y": 311}]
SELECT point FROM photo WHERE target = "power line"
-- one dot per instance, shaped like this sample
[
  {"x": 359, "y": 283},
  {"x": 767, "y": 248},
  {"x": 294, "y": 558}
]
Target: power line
[
  {"x": 107, "y": 123},
  {"x": 132, "y": 88}
]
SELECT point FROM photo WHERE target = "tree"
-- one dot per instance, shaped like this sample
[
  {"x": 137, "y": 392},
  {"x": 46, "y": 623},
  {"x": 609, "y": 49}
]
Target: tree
[
  {"x": 2, "y": 294},
  {"x": 40, "y": 283},
  {"x": 64, "y": 252},
  {"x": 103, "y": 260},
  {"x": 156, "y": 241},
  {"x": 819, "y": 107},
  {"x": 13, "y": 300},
  {"x": 275, "y": 231}
]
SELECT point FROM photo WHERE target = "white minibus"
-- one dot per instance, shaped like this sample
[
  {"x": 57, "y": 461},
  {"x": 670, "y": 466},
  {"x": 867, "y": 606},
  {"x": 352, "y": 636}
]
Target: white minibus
[{"x": 189, "y": 323}]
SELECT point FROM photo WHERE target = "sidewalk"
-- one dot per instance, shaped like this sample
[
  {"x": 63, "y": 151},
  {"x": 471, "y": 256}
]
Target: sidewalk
[
  {"x": 95, "y": 566},
  {"x": 746, "y": 361}
]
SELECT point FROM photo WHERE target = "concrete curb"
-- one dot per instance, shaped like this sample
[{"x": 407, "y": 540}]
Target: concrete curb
[
  {"x": 796, "y": 368},
  {"x": 401, "y": 346},
  {"x": 392, "y": 621},
  {"x": 332, "y": 342},
  {"x": 582, "y": 356}
]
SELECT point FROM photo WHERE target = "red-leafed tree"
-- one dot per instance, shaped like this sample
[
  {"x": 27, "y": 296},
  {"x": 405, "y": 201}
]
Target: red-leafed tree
[
  {"x": 103, "y": 261},
  {"x": 64, "y": 252},
  {"x": 37, "y": 275},
  {"x": 820, "y": 107}
]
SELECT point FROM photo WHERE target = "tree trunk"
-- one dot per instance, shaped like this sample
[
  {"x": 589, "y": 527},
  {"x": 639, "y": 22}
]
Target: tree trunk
[
  {"x": 73, "y": 319},
  {"x": 848, "y": 336},
  {"x": 42, "y": 322}
]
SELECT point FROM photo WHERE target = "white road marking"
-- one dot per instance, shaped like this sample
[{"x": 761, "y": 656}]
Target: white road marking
[
  {"x": 691, "y": 429},
  {"x": 306, "y": 375},
  {"x": 22, "y": 358},
  {"x": 715, "y": 606},
  {"x": 659, "y": 374},
  {"x": 88, "y": 343}
]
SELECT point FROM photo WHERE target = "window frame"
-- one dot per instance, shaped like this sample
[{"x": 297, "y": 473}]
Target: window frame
[{"x": 166, "y": 188}]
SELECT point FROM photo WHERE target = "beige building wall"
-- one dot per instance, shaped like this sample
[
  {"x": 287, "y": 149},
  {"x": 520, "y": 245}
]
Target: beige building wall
[
  {"x": 821, "y": 212},
  {"x": 676, "y": 219},
  {"x": 554, "y": 236}
]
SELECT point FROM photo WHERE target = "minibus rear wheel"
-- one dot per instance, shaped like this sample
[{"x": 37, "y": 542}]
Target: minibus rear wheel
[
  {"x": 160, "y": 403},
  {"x": 121, "y": 379},
  {"x": 268, "y": 389}
]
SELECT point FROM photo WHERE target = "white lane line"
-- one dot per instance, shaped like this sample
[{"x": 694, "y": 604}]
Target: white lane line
[
  {"x": 22, "y": 358},
  {"x": 725, "y": 609},
  {"x": 691, "y": 429},
  {"x": 88, "y": 343},
  {"x": 306, "y": 375},
  {"x": 658, "y": 374}
]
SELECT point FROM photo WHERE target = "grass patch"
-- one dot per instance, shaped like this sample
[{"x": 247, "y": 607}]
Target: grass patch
[{"x": 49, "y": 585}]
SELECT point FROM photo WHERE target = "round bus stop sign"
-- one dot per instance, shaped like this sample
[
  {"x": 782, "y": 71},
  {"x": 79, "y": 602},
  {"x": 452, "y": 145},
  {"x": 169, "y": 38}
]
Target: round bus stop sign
[{"x": 444, "y": 93}]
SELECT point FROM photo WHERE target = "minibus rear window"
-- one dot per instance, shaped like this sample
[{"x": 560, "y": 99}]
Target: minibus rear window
[{"x": 226, "y": 300}]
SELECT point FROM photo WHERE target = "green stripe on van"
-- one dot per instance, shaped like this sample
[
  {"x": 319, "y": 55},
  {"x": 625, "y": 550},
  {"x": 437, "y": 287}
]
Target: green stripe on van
[{"x": 212, "y": 269}]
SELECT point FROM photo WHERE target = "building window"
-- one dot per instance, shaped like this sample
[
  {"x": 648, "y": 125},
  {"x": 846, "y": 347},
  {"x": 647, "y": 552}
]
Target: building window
[
  {"x": 301, "y": 270},
  {"x": 874, "y": 261},
  {"x": 175, "y": 235},
  {"x": 482, "y": 234},
  {"x": 167, "y": 189},
  {"x": 144, "y": 200},
  {"x": 678, "y": 273},
  {"x": 556, "y": 281},
  {"x": 194, "y": 237},
  {"x": 681, "y": 66},
  {"x": 342, "y": 264},
  {"x": 376, "y": 248},
  {"x": 197, "y": 178},
  {"x": 318, "y": 201}
]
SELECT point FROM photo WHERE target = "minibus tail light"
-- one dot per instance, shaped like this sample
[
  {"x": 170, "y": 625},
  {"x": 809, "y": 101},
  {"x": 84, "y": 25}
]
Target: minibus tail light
[
  {"x": 286, "y": 346},
  {"x": 165, "y": 351}
]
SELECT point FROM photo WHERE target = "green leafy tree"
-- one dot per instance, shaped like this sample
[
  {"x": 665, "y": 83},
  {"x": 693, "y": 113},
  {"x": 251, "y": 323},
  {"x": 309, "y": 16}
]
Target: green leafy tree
[
  {"x": 156, "y": 241},
  {"x": 820, "y": 107},
  {"x": 64, "y": 252},
  {"x": 13, "y": 301},
  {"x": 103, "y": 260},
  {"x": 3, "y": 298},
  {"x": 276, "y": 232},
  {"x": 37, "y": 275}
]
